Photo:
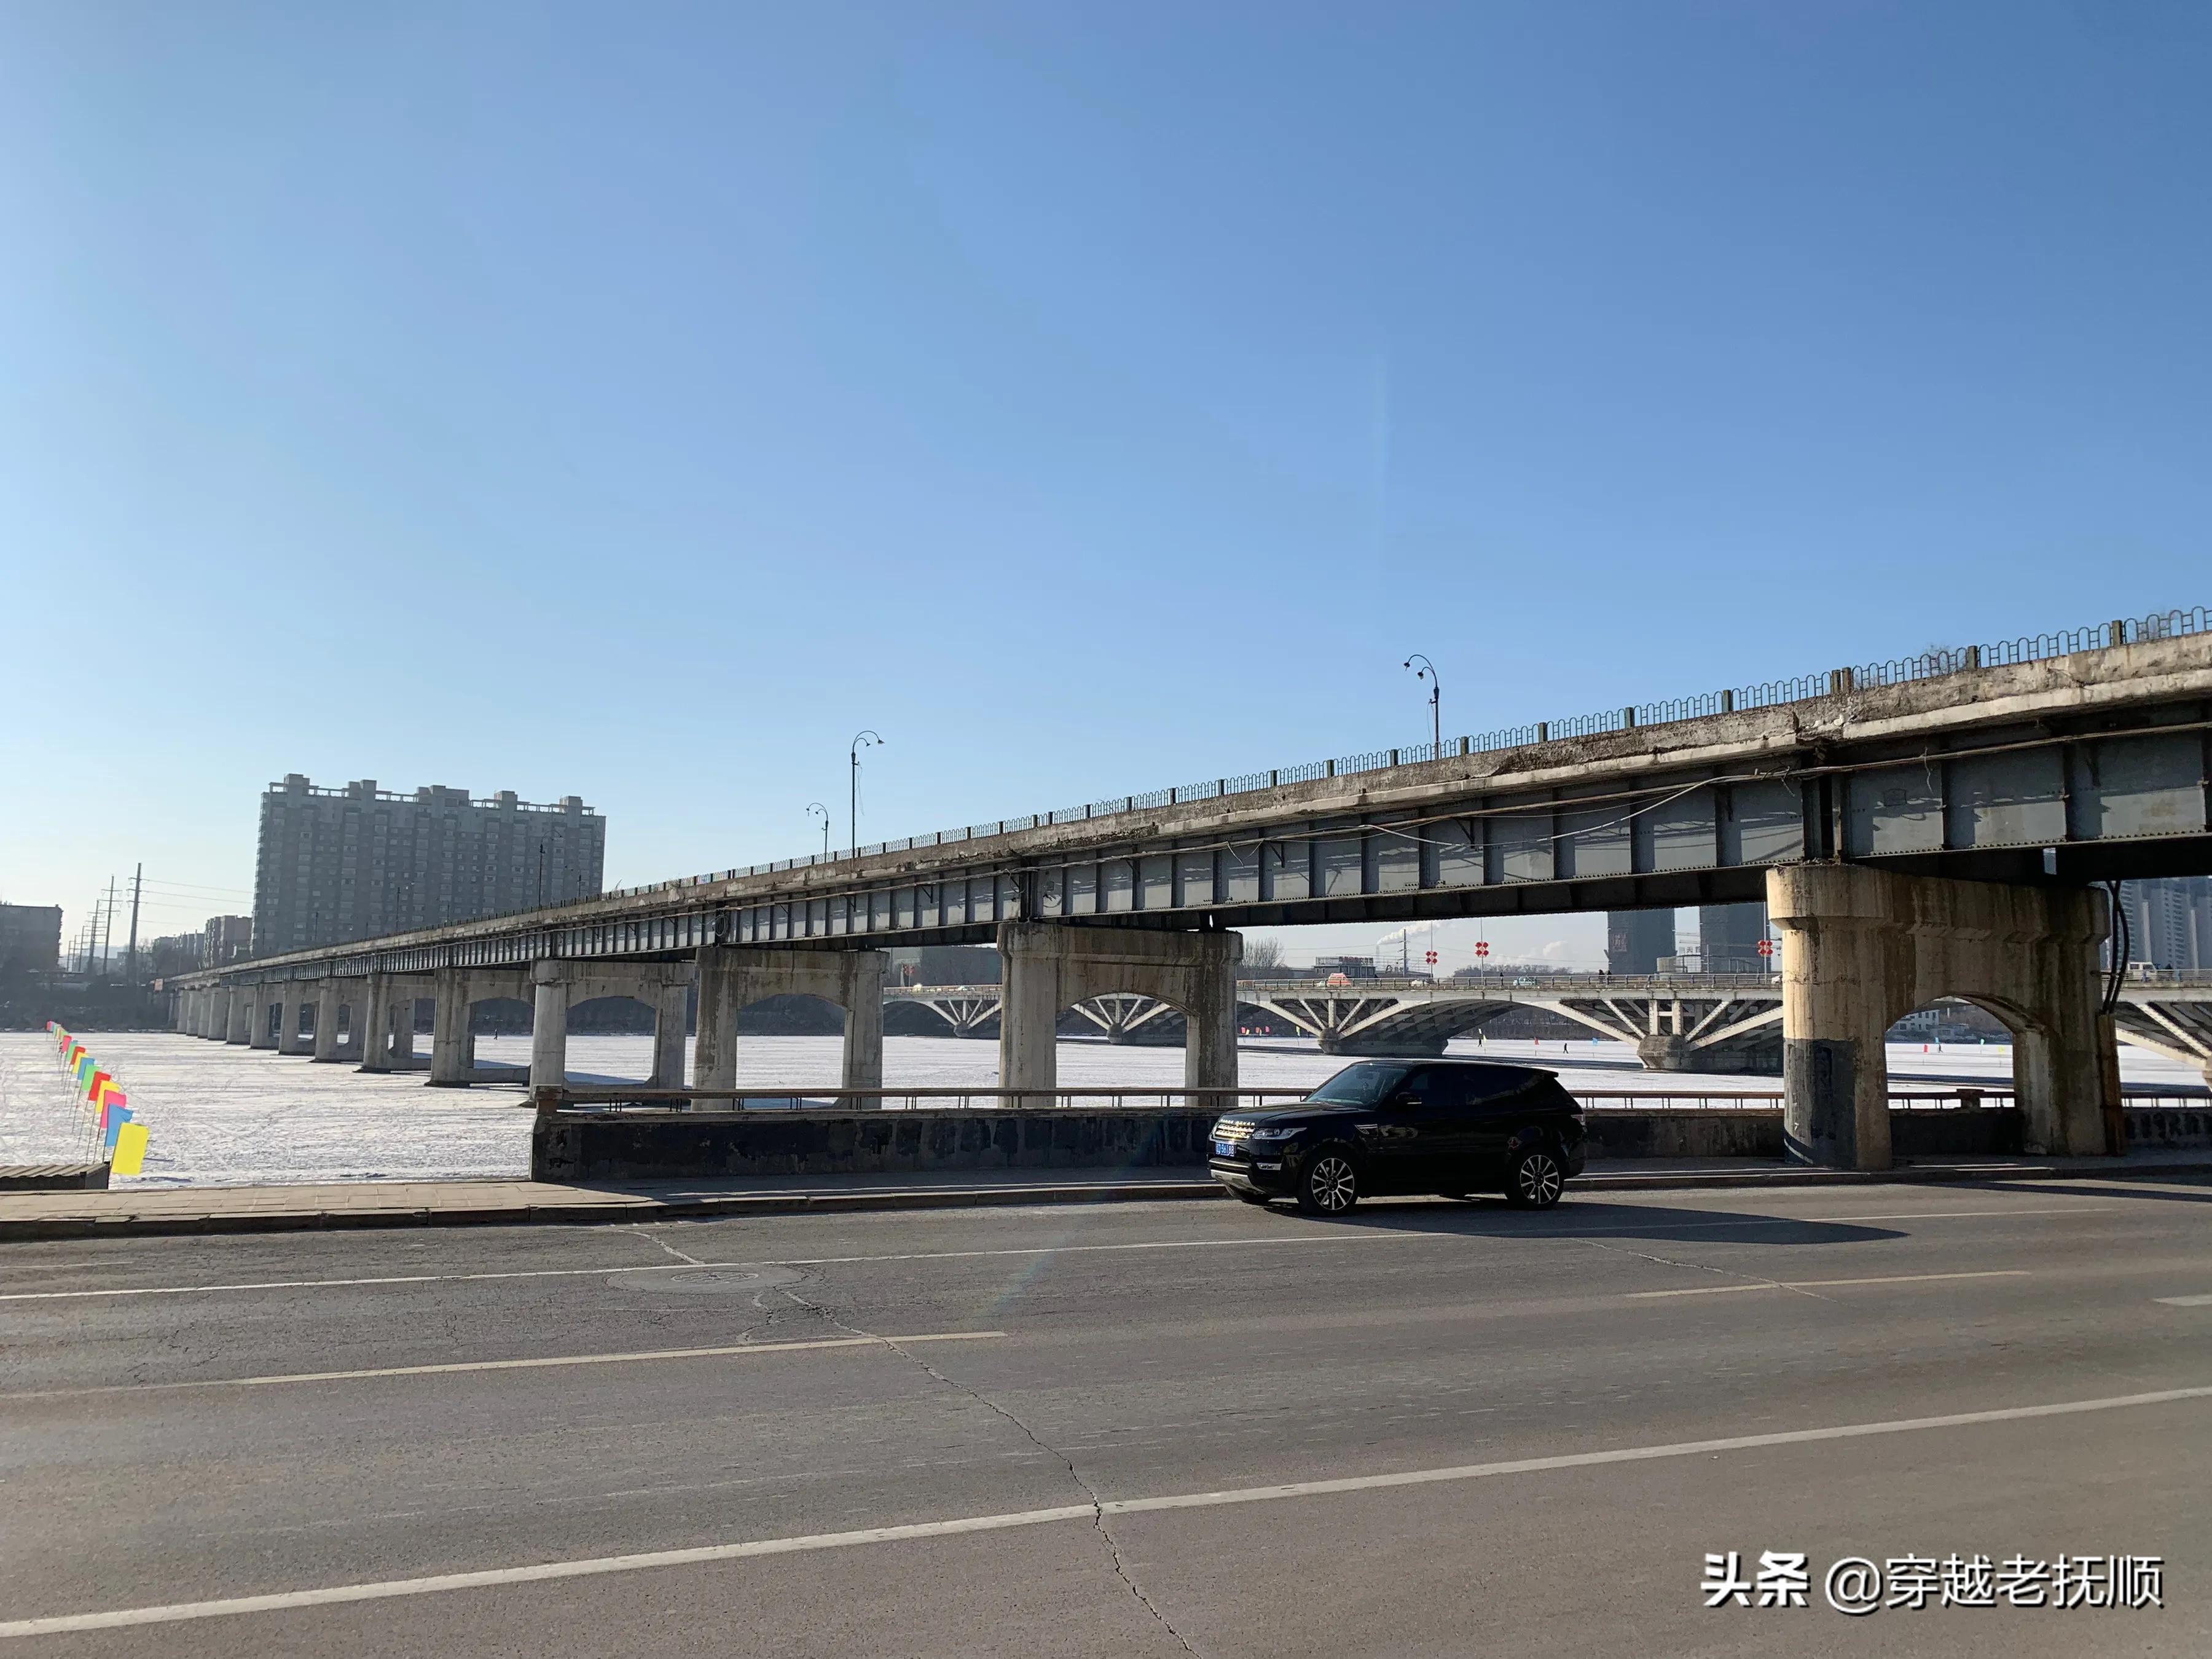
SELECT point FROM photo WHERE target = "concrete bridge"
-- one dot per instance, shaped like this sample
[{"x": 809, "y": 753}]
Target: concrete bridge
[{"x": 1917, "y": 830}]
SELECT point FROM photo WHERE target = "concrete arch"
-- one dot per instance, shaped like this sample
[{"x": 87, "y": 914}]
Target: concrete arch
[
  {"x": 1050, "y": 967},
  {"x": 732, "y": 979},
  {"x": 1863, "y": 948}
]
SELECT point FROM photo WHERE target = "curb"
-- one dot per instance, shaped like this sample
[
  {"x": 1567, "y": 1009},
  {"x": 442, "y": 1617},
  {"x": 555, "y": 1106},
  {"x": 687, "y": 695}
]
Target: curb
[
  {"x": 694, "y": 1209},
  {"x": 739, "y": 1204}
]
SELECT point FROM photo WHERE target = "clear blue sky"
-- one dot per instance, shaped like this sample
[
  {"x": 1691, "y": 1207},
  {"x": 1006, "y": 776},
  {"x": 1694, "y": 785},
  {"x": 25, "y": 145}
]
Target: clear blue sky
[{"x": 635, "y": 401}]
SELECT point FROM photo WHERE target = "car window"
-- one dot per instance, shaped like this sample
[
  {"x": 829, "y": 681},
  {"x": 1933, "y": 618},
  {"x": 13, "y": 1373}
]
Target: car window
[
  {"x": 1487, "y": 1083},
  {"x": 1364, "y": 1085}
]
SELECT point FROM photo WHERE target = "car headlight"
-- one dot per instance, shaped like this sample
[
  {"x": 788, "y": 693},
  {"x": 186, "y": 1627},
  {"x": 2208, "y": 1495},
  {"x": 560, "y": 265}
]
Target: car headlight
[{"x": 1270, "y": 1136}]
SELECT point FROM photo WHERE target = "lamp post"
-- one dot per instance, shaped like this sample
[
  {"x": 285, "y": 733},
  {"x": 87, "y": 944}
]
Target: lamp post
[
  {"x": 1427, "y": 670},
  {"x": 812, "y": 807},
  {"x": 864, "y": 740}
]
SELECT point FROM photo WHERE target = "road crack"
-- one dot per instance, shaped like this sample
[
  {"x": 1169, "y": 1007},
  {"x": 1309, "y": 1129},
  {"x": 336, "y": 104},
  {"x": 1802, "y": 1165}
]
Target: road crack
[
  {"x": 652, "y": 1238},
  {"x": 1702, "y": 1267},
  {"x": 1090, "y": 1492}
]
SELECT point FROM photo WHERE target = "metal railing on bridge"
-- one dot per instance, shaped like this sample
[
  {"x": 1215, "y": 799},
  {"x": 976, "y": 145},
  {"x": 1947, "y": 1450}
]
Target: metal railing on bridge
[{"x": 800, "y": 1097}]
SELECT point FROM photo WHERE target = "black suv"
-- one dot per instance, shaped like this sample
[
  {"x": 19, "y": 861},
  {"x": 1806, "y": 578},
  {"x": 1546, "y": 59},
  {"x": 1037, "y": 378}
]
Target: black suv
[{"x": 1453, "y": 1127}]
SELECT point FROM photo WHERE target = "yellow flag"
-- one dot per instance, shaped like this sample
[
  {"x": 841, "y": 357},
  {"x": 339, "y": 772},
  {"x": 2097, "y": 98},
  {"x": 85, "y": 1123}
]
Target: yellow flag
[{"x": 130, "y": 1150}]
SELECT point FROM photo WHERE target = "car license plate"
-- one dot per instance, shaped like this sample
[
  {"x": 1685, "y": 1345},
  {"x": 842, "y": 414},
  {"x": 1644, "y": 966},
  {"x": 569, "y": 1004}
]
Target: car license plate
[{"x": 1224, "y": 1149}]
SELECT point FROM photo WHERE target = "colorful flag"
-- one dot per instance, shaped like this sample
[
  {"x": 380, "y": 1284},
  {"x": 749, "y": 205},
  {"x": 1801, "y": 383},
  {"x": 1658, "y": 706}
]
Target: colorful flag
[
  {"x": 116, "y": 1120},
  {"x": 130, "y": 1150}
]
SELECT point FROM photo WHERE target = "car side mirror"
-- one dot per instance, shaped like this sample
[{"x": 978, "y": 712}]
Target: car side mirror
[{"x": 1405, "y": 1103}]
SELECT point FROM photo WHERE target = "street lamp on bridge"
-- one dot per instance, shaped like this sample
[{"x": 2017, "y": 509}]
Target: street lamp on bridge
[
  {"x": 864, "y": 740},
  {"x": 1427, "y": 670},
  {"x": 812, "y": 807}
]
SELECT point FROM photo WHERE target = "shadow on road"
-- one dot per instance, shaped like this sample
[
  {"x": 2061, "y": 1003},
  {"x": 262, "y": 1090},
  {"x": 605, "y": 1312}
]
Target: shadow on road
[{"x": 1494, "y": 1218}]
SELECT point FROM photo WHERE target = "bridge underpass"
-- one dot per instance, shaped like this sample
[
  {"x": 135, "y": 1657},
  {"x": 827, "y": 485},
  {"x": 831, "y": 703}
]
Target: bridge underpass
[{"x": 1917, "y": 830}]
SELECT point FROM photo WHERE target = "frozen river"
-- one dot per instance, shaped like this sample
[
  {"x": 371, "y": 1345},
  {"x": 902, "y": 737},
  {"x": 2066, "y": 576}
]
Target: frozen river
[{"x": 220, "y": 1115}]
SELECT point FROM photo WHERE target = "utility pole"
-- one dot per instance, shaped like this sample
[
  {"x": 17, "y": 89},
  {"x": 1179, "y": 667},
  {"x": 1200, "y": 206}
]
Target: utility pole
[
  {"x": 131, "y": 962},
  {"x": 108, "y": 944}
]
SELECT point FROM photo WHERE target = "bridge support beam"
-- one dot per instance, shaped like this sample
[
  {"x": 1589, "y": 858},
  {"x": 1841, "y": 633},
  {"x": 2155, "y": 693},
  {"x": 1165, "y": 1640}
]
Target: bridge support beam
[
  {"x": 263, "y": 1032},
  {"x": 326, "y": 1016},
  {"x": 240, "y": 1026},
  {"x": 388, "y": 1042},
  {"x": 373, "y": 1021},
  {"x": 1049, "y": 966},
  {"x": 556, "y": 985},
  {"x": 297, "y": 994},
  {"x": 453, "y": 1049},
  {"x": 1862, "y": 948},
  {"x": 216, "y": 1024},
  {"x": 733, "y": 979}
]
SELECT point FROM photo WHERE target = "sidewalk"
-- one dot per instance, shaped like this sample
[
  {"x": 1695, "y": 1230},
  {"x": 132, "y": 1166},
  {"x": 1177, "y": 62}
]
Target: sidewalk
[{"x": 142, "y": 1211}]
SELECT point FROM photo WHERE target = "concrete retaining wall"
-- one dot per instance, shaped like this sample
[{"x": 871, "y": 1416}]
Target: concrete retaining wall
[
  {"x": 692, "y": 1145},
  {"x": 2156, "y": 1127}
]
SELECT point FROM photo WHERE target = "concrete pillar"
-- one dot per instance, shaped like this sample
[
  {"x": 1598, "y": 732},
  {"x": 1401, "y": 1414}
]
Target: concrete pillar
[
  {"x": 1050, "y": 966},
  {"x": 403, "y": 999},
  {"x": 549, "y": 1026},
  {"x": 669, "y": 1003},
  {"x": 732, "y": 979},
  {"x": 1861, "y": 948},
  {"x": 453, "y": 1050},
  {"x": 297, "y": 994},
  {"x": 240, "y": 1026},
  {"x": 265, "y": 999},
  {"x": 373, "y": 1023},
  {"x": 328, "y": 995}
]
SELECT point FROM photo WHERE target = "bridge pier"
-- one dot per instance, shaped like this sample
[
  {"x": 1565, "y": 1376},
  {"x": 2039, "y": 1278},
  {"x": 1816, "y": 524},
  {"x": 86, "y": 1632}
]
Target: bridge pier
[
  {"x": 388, "y": 1043},
  {"x": 453, "y": 1049},
  {"x": 261, "y": 1034},
  {"x": 214, "y": 1022},
  {"x": 240, "y": 1026},
  {"x": 328, "y": 994},
  {"x": 554, "y": 985},
  {"x": 1862, "y": 948},
  {"x": 1050, "y": 966},
  {"x": 732, "y": 979},
  {"x": 297, "y": 996}
]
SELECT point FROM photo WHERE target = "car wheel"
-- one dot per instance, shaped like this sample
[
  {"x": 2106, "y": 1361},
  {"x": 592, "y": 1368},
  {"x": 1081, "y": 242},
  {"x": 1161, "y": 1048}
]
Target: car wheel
[
  {"x": 1330, "y": 1184},
  {"x": 1535, "y": 1181}
]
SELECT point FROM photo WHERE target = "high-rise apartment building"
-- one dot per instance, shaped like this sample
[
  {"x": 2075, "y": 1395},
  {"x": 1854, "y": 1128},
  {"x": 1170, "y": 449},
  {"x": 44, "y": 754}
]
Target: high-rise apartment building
[
  {"x": 360, "y": 862},
  {"x": 1729, "y": 937},
  {"x": 2169, "y": 921},
  {"x": 1636, "y": 939}
]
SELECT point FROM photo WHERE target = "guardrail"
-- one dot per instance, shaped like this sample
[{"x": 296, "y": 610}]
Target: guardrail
[{"x": 800, "y": 1097}]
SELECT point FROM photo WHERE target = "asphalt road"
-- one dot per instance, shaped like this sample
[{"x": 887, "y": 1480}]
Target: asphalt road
[{"x": 1099, "y": 1430}]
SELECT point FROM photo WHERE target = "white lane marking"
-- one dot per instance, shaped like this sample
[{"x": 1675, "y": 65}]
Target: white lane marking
[
  {"x": 2183, "y": 1300},
  {"x": 639, "y": 1358},
  {"x": 180, "y": 1612},
  {"x": 1828, "y": 1283},
  {"x": 1367, "y": 1236}
]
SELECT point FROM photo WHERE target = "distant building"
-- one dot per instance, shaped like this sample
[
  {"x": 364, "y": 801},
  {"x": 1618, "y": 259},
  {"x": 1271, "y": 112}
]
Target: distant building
[
  {"x": 175, "y": 953},
  {"x": 30, "y": 939},
  {"x": 1636, "y": 939},
  {"x": 2169, "y": 922},
  {"x": 226, "y": 939},
  {"x": 360, "y": 862},
  {"x": 1350, "y": 966},
  {"x": 1729, "y": 937}
]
